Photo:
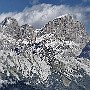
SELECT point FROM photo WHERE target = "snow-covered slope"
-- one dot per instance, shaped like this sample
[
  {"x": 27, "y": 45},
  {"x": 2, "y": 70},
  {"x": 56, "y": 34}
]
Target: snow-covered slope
[{"x": 47, "y": 57}]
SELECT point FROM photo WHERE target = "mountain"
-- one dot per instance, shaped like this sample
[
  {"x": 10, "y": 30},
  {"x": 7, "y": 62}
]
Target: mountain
[{"x": 46, "y": 58}]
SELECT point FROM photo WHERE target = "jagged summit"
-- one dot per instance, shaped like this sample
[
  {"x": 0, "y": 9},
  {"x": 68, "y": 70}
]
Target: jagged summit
[
  {"x": 8, "y": 21},
  {"x": 46, "y": 58},
  {"x": 63, "y": 16},
  {"x": 65, "y": 28}
]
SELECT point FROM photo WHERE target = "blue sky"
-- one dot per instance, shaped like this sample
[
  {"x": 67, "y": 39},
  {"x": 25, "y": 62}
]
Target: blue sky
[
  {"x": 39, "y": 11},
  {"x": 19, "y": 5}
]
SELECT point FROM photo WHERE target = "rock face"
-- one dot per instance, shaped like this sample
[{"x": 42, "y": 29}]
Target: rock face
[
  {"x": 48, "y": 58},
  {"x": 67, "y": 30}
]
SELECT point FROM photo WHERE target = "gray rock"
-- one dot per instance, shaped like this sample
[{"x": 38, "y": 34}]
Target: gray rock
[{"x": 46, "y": 58}]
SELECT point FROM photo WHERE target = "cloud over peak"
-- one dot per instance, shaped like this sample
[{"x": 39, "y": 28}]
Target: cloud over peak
[{"x": 38, "y": 15}]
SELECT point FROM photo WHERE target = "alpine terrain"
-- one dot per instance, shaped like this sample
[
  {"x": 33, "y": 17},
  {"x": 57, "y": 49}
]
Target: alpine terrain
[{"x": 55, "y": 57}]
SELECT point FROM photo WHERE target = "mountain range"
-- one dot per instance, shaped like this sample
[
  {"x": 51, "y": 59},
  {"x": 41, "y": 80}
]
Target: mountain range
[{"x": 55, "y": 57}]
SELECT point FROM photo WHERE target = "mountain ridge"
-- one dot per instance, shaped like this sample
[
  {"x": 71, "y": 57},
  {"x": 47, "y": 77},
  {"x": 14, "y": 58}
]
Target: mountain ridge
[{"x": 48, "y": 56}]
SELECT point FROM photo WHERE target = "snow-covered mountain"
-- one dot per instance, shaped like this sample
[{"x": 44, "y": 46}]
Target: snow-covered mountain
[{"x": 46, "y": 58}]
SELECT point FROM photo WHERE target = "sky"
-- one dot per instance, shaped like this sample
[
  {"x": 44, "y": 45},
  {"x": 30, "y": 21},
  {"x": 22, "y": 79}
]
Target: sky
[{"x": 38, "y": 12}]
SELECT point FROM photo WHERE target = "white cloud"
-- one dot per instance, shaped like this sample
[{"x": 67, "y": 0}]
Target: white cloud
[
  {"x": 33, "y": 2},
  {"x": 39, "y": 15}
]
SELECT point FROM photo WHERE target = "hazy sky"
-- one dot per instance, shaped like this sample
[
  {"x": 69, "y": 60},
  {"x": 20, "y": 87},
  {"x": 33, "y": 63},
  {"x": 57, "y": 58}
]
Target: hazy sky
[{"x": 39, "y": 12}]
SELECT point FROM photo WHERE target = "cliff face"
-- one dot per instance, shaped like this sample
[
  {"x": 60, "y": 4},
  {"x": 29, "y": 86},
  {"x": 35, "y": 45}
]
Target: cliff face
[
  {"x": 46, "y": 57},
  {"x": 67, "y": 30}
]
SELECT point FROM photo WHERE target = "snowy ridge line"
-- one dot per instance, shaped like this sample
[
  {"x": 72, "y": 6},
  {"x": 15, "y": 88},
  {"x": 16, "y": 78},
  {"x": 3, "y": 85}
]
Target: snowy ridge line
[{"x": 42, "y": 56}]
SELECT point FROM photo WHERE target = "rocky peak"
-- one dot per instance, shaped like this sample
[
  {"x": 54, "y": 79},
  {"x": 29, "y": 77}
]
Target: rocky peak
[
  {"x": 9, "y": 26},
  {"x": 46, "y": 57},
  {"x": 9, "y": 22},
  {"x": 65, "y": 28}
]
